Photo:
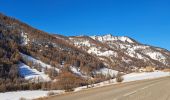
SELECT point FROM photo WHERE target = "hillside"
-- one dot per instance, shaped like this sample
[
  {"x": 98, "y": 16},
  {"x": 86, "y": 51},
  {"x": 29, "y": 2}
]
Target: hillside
[
  {"x": 33, "y": 59},
  {"x": 30, "y": 54}
]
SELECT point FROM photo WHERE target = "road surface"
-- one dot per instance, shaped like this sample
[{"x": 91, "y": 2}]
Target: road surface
[{"x": 155, "y": 89}]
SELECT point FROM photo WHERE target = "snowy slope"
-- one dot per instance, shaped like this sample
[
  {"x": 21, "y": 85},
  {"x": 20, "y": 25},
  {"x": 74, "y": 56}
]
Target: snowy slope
[
  {"x": 35, "y": 61},
  {"x": 32, "y": 74}
]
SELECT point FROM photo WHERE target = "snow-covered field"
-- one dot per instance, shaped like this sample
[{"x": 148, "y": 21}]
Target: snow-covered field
[
  {"x": 127, "y": 78},
  {"x": 28, "y": 95}
]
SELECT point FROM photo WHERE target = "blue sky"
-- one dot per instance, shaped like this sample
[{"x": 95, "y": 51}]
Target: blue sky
[{"x": 147, "y": 21}]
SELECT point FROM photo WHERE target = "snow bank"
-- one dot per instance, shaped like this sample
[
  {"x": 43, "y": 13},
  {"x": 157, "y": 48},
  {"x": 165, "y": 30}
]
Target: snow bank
[
  {"x": 145, "y": 75},
  {"x": 107, "y": 71},
  {"x": 32, "y": 74},
  {"x": 29, "y": 95}
]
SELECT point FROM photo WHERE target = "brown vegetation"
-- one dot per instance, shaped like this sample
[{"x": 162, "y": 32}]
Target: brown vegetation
[{"x": 119, "y": 77}]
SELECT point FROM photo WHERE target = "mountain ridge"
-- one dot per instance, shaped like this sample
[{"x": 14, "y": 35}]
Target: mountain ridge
[{"x": 115, "y": 38}]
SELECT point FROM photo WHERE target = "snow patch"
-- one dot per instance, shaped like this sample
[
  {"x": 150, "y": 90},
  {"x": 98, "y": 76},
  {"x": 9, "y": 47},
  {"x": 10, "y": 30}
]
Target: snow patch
[
  {"x": 81, "y": 42},
  {"x": 156, "y": 56},
  {"x": 77, "y": 71},
  {"x": 131, "y": 52},
  {"x": 25, "y": 38},
  {"x": 126, "y": 60},
  {"x": 109, "y": 37},
  {"x": 107, "y": 72},
  {"x": 96, "y": 51}
]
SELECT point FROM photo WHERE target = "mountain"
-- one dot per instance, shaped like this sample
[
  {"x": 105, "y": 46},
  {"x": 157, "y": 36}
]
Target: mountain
[
  {"x": 122, "y": 53},
  {"x": 33, "y": 59}
]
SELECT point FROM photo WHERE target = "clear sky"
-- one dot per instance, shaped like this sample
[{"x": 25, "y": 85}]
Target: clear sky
[{"x": 147, "y": 21}]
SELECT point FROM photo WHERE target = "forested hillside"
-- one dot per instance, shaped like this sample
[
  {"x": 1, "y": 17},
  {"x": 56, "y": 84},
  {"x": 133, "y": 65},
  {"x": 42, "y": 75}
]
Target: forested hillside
[{"x": 17, "y": 37}]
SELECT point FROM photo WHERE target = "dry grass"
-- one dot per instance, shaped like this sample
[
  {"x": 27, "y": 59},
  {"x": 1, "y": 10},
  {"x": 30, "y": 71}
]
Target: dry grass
[{"x": 166, "y": 70}]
